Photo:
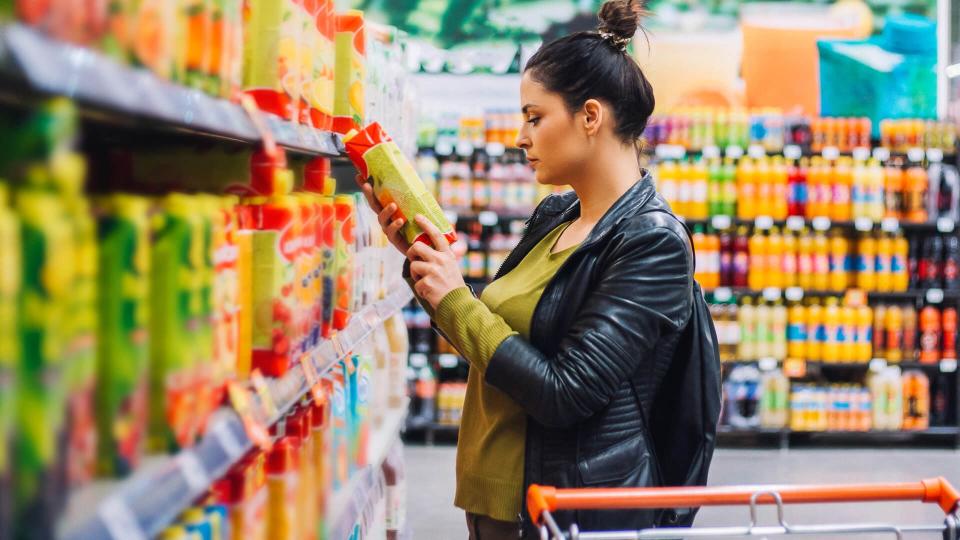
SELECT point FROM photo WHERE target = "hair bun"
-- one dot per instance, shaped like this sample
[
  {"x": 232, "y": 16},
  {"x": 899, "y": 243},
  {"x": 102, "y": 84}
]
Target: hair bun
[{"x": 621, "y": 18}]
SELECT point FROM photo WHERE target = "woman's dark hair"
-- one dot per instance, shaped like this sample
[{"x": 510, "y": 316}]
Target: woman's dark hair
[{"x": 595, "y": 65}]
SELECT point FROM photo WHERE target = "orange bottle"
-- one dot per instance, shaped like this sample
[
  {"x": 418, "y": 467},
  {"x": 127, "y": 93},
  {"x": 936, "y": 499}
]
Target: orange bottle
[
  {"x": 893, "y": 327},
  {"x": 817, "y": 187},
  {"x": 764, "y": 182},
  {"x": 848, "y": 332},
  {"x": 929, "y": 335},
  {"x": 746, "y": 190},
  {"x": 898, "y": 266},
  {"x": 830, "y": 351},
  {"x": 893, "y": 192},
  {"x": 712, "y": 245},
  {"x": 821, "y": 261},
  {"x": 774, "y": 268},
  {"x": 757, "y": 276},
  {"x": 839, "y": 248},
  {"x": 815, "y": 331},
  {"x": 699, "y": 241},
  {"x": 805, "y": 260},
  {"x": 781, "y": 188},
  {"x": 840, "y": 204},
  {"x": 915, "y": 194},
  {"x": 866, "y": 263},
  {"x": 884, "y": 263},
  {"x": 789, "y": 260}
]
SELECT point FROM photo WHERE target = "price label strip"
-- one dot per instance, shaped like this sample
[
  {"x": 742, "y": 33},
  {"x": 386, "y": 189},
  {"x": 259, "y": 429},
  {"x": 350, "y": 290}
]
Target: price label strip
[
  {"x": 119, "y": 520},
  {"x": 193, "y": 472},
  {"x": 228, "y": 440},
  {"x": 253, "y": 423},
  {"x": 313, "y": 381}
]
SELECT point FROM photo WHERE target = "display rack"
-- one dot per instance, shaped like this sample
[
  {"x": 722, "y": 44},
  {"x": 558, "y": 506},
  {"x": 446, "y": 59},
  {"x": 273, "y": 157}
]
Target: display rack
[
  {"x": 112, "y": 93},
  {"x": 142, "y": 505},
  {"x": 785, "y": 438}
]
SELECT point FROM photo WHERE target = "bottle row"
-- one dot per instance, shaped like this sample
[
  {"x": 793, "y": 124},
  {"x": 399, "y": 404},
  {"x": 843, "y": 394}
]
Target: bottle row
[
  {"x": 496, "y": 126},
  {"x": 831, "y": 332},
  {"x": 842, "y": 190},
  {"x": 699, "y": 128},
  {"x": 834, "y": 261},
  {"x": 888, "y": 401}
]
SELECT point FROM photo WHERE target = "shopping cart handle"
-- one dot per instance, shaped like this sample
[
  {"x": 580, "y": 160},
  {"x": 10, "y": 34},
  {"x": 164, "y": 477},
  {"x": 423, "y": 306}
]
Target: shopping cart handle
[{"x": 545, "y": 498}]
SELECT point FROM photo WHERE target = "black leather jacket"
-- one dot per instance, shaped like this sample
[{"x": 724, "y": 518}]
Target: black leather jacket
[{"x": 601, "y": 339}]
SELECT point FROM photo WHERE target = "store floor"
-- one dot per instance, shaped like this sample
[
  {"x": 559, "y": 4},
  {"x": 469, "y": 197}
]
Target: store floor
[{"x": 431, "y": 484}]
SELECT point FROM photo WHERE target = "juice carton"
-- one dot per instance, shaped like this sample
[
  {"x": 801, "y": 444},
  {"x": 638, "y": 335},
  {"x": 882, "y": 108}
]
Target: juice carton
[
  {"x": 123, "y": 347},
  {"x": 9, "y": 351},
  {"x": 283, "y": 477},
  {"x": 81, "y": 23},
  {"x": 321, "y": 110},
  {"x": 394, "y": 179},
  {"x": 120, "y": 29},
  {"x": 244, "y": 310},
  {"x": 344, "y": 213},
  {"x": 312, "y": 271},
  {"x": 309, "y": 66},
  {"x": 271, "y": 72},
  {"x": 206, "y": 378},
  {"x": 275, "y": 245},
  {"x": 243, "y": 491},
  {"x": 194, "y": 20},
  {"x": 328, "y": 253},
  {"x": 175, "y": 312},
  {"x": 213, "y": 68},
  {"x": 349, "y": 72},
  {"x": 231, "y": 57},
  {"x": 47, "y": 270},
  {"x": 152, "y": 42},
  {"x": 226, "y": 293}
]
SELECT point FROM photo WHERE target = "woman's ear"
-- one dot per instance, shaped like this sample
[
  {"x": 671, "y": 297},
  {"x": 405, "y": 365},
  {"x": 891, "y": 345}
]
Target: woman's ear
[{"x": 593, "y": 116}]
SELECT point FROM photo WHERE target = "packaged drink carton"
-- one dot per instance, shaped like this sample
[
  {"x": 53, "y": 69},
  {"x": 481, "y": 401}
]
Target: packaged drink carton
[
  {"x": 122, "y": 344},
  {"x": 195, "y": 43},
  {"x": 345, "y": 211},
  {"x": 297, "y": 427},
  {"x": 231, "y": 53},
  {"x": 152, "y": 42},
  {"x": 328, "y": 254},
  {"x": 226, "y": 292},
  {"x": 349, "y": 72},
  {"x": 308, "y": 264},
  {"x": 120, "y": 29},
  {"x": 319, "y": 427},
  {"x": 47, "y": 271},
  {"x": 244, "y": 309},
  {"x": 395, "y": 180},
  {"x": 271, "y": 66},
  {"x": 283, "y": 477},
  {"x": 75, "y": 22},
  {"x": 363, "y": 374},
  {"x": 243, "y": 492},
  {"x": 175, "y": 319},
  {"x": 10, "y": 283}
]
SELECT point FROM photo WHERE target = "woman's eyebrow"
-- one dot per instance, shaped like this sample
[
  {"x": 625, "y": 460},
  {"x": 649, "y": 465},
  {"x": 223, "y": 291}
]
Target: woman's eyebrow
[{"x": 526, "y": 108}]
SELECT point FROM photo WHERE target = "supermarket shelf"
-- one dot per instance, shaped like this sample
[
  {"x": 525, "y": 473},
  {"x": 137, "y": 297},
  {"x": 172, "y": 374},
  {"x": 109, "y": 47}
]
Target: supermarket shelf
[
  {"x": 488, "y": 217},
  {"x": 773, "y": 293},
  {"x": 142, "y": 505},
  {"x": 942, "y": 367},
  {"x": 669, "y": 151},
  {"x": 797, "y": 223},
  {"x": 787, "y": 436},
  {"x": 31, "y": 63}
]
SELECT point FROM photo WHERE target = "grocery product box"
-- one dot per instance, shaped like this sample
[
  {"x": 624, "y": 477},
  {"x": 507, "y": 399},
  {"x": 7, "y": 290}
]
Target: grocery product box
[
  {"x": 349, "y": 72},
  {"x": 271, "y": 72}
]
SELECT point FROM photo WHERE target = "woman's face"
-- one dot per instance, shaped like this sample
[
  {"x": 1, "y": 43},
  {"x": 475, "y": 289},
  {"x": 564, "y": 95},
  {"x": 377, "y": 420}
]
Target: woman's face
[{"x": 555, "y": 147}]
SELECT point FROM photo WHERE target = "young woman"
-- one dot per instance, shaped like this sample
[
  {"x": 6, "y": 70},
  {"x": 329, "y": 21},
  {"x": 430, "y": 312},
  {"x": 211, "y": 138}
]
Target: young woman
[{"x": 569, "y": 343}]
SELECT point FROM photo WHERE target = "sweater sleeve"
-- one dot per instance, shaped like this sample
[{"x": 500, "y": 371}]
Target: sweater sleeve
[{"x": 471, "y": 327}]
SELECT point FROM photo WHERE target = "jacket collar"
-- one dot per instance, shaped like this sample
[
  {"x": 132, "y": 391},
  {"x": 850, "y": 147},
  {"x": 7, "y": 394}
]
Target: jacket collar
[{"x": 568, "y": 206}]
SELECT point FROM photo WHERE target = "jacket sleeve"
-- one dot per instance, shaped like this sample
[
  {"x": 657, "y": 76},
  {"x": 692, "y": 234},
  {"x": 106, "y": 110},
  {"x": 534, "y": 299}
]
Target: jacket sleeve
[{"x": 644, "y": 292}]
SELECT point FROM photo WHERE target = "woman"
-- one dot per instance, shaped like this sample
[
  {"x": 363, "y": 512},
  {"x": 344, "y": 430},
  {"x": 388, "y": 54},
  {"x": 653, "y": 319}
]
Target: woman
[{"x": 568, "y": 344}]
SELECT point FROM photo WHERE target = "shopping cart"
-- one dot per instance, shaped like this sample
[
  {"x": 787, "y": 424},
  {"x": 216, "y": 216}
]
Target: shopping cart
[{"x": 543, "y": 500}]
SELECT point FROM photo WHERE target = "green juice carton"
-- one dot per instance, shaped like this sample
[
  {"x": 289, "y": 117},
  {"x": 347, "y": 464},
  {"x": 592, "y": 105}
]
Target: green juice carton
[
  {"x": 9, "y": 352},
  {"x": 175, "y": 318},
  {"x": 349, "y": 72},
  {"x": 47, "y": 270},
  {"x": 123, "y": 339},
  {"x": 205, "y": 373},
  {"x": 271, "y": 66}
]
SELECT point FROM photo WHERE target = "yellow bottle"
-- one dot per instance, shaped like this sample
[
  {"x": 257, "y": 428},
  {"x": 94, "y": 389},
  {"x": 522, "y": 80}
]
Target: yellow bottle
[
  {"x": 764, "y": 183},
  {"x": 774, "y": 270},
  {"x": 814, "y": 331},
  {"x": 866, "y": 263},
  {"x": 898, "y": 266},
  {"x": 684, "y": 189},
  {"x": 779, "y": 327},
  {"x": 821, "y": 261},
  {"x": 842, "y": 184},
  {"x": 832, "y": 332},
  {"x": 781, "y": 188},
  {"x": 797, "y": 331},
  {"x": 864, "y": 334},
  {"x": 667, "y": 183},
  {"x": 848, "y": 329},
  {"x": 839, "y": 248},
  {"x": 747, "y": 317},
  {"x": 699, "y": 205},
  {"x": 805, "y": 260},
  {"x": 764, "y": 318},
  {"x": 884, "y": 263},
  {"x": 746, "y": 190},
  {"x": 789, "y": 260},
  {"x": 757, "y": 276}
]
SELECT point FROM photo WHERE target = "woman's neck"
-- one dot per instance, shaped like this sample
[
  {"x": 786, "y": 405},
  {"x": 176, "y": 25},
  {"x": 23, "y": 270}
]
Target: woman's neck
[{"x": 608, "y": 177}]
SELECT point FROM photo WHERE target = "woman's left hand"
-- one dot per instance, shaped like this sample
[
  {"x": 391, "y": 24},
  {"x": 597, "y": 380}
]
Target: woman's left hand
[{"x": 434, "y": 270}]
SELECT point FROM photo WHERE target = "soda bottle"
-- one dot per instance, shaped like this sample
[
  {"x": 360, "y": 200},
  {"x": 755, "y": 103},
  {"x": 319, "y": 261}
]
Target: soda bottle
[
  {"x": 842, "y": 182},
  {"x": 898, "y": 264},
  {"x": 875, "y": 191},
  {"x": 748, "y": 331},
  {"x": 757, "y": 278},
  {"x": 931, "y": 262},
  {"x": 949, "y": 334},
  {"x": 684, "y": 204},
  {"x": 667, "y": 183},
  {"x": 797, "y": 194},
  {"x": 746, "y": 190},
  {"x": 884, "y": 263},
  {"x": 847, "y": 335},
  {"x": 779, "y": 318},
  {"x": 951, "y": 263},
  {"x": 774, "y": 269},
  {"x": 863, "y": 339},
  {"x": 715, "y": 188},
  {"x": 698, "y": 198},
  {"x": 817, "y": 189},
  {"x": 894, "y": 338},
  {"x": 893, "y": 191},
  {"x": 830, "y": 351},
  {"x": 913, "y": 261},
  {"x": 712, "y": 254},
  {"x": 764, "y": 318},
  {"x": 879, "y": 331},
  {"x": 797, "y": 331},
  {"x": 729, "y": 190},
  {"x": 805, "y": 260},
  {"x": 817, "y": 135},
  {"x": 866, "y": 263},
  {"x": 726, "y": 258},
  {"x": 821, "y": 261},
  {"x": 929, "y": 335},
  {"x": 915, "y": 194},
  {"x": 741, "y": 258},
  {"x": 860, "y": 191},
  {"x": 909, "y": 333},
  {"x": 815, "y": 331},
  {"x": 789, "y": 261},
  {"x": 838, "y": 261}
]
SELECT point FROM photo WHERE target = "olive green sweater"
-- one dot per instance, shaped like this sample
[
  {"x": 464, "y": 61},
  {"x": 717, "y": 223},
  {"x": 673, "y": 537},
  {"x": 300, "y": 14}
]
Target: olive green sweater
[{"x": 490, "y": 449}]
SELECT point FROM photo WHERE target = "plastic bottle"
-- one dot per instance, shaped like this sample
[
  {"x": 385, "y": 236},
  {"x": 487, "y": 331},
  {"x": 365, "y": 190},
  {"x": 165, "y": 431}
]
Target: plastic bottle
[
  {"x": 839, "y": 247},
  {"x": 821, "y": 261},
  {"x": 916, "y": 401},
  {"x": 893, "y": 191},
  {"x": 860, "y": 191},
  {"x": 916, "y": 184},
  {"x": 746, "y": 190},
  {"x": 712, "y": 254},
  {"x": 898, "y": 264},
  {"x": 684, "y": 201},
  {"x": 715, "y": 187},
  {"x": 726, "y": 258},
  {"x": 815, "y": 331},
  {"x": 282, "y": 490},
  {"x": 929, "y": 335},
  {"x": 866, "y": 263},
  {"x": 875, "y": 191},
  {"x": 729, "y": 188},
  {"x": 805, "y": 269},
  {"x": 781, "y": 188},
  {"x": 667, "y": 183},
  {"x": 879, "y": 331},
  {"x": 797, "y": 192},
  {"x": 779, "y": 330},
  {"x": 699, "y": 208},
  {"x": 757, "y": 277},
  {"x": 894, "y": 334},
  {"x": 949, "y": 334},
  {"x": 817, "y": 187},
  {"x": 774, "y": 251},
  {"x": 931, "y": 262},
  {"x": 748, "y": 330},
  {"x": 951, "y": 263},
  {"x": 797, "y": 331},
  {"x": 741, "y": 258},
  {"x": 789, "y": 260},
  {"x": 863, "y": 340},
  {"x": 831, "y": 323},
  {"x": 847, "y": 334},
  {"x": 842, "y": 182},
  {"x": 764, "y": 318},
  {"x": 884, "y": 263},
  {"x": 699, "y": 239},
  {"x": 910, "y": 334}
]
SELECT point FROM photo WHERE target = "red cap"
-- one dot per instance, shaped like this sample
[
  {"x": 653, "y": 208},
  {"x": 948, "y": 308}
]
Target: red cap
[
  {"x": 318, "y": 415},
  {"x": 297, "y": 426},
  {"x": 284, "y": 456},
  {"x": 315, "y": 174},
  {"x": 364, "y": 140},
  {"x": 262, "y": 168}
]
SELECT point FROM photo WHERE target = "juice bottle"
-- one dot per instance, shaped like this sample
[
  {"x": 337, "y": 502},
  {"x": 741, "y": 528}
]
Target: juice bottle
[
  {"x": 726, "y": 258},
  {"x": 866, "y": 263},
  {"x": 949, "y": 334},
  {"x": 863, "y": 339},
  {"x": 741, "y": 258},
  {"x": 821, "y": 261},
  {"x": 910, "y": 334},
  {"x": 271, "y": 72},
  {"x": 698, "y": 247},
  {"x": 684, "y": 206},
  {"x": 712, "y": 253},
  {"x": 715, "y": 188},
  {"x": 818, "y": 189},
  {"x": 898, "y": 264},
  {"x": 842, "y": 186},
  {"x": 876, "y": 197},
  {"x": 123, "y": 344},
  {"x": 748, "y": 331},
  {"x": 779, "y": 318},
  {"x": 839, "y": 248},
  {"x": 283, "y": 477},
  {"x": 815, "y": 331},
  {"x": 774, "y": 251},
  {"x": 746, "y": 190},
  {"x": 789, "y": 259},
  {"x": 916, "y": 401},
  {"x": 764, "y": 326},
  {"x": 175, "y": 305},
  {"x": 893, "y": 191},
  {"x": 699, "y": 192},
  {"x": 273, "y": 222},
  {"x": 320, "y": 427},
  {"x": 349, "y": 72},
  {"x": 797, "y": 331},
  {"x": 298, "y": 427},
  {"x": 951, "y": 263},
  {"x": 805, "y": 260},
  {"x": 830, "y": 351},
  {"x": 894, "y": 334},
  {"x": 345, "y": 211},
  {"x": 884, "y": 263},
  {"x": 848, "y": 332},
  {"x": 764, "y": 186},
  {"x": 797, "y": 197},
  {"x": 930, "y": 328},
  {"x": 879, "y": 331},
  {"x": 931, "y": 262},
  {"x": 915, "y": 185},
  {"x": 667, "y": 182},
  {"x": 757, "y": 277},
  {"x": 729, "y": 189},
  {"x": 860, "y": 190}
]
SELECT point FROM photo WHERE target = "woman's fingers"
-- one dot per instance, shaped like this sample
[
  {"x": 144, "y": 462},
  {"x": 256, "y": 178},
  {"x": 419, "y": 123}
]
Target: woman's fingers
[
  {"x": 393, "y": 229},
  {"x": 418, "y": 269},
  {"x": 385, "y": 217},
  {"x": 367, "y": 190},
  {"x": 422, "y": 252},
  {"x": 436, "y": 237}
]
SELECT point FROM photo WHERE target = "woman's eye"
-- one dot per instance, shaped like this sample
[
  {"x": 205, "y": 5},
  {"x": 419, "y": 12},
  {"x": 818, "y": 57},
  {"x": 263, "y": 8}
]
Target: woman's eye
[{"x": 533, "y": 121}]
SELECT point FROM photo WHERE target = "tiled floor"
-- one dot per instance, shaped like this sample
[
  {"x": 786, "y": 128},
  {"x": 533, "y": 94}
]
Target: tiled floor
[{"x": 431, "y": 485}]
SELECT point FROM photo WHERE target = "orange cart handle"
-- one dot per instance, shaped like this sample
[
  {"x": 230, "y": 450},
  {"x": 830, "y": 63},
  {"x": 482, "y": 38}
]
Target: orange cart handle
[{"x": 545, "y": 498}]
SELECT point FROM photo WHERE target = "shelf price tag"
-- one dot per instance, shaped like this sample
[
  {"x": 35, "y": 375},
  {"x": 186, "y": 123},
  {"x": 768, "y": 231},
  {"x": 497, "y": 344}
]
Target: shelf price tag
[
  {"x": 831, "y": 152},
  {"x": 417, "y": 360},
  {"x": 767, "y": 364},
  {"x": 756, "y": 151},
  {"x": 734, "y": 151},
  {"x": 722, "y": 294},
  {"x": 771, "y": 294},
  {"x": 763, "y": 222},
  {"x": 795, "y": 367},
  {"x": 890, "y": 225},
  {"x": 448, "y": 361},
  {"x": 721, "y": 222},
  {"x": 916, "y": 154},
  {"x": 821, "y": 223},
  {"x": 878, "y": 364},
  {"x": 861, "y": 153},
  {"x": 792, "y": 151},
  {"x": 193, "y": 472},
  {"x": 120, "y": 520},
  {"x": 863, "y": 224},
  {"x": 945, "y": 225},
  {"x": 948, "y": 365},
  {"x": 253, "y": 419},
  {"x": 795, "y": 223},
  {"x": 794, "y": 294},
  {"x": 934, "y": 155},
  {"x": 710, "y": 152},
  {"x": 934, "y": 296},
  {"x": 487, "y": 218}
]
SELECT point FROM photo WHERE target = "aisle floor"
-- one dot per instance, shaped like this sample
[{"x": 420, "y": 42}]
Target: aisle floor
[{"x": 431, "y": 485}]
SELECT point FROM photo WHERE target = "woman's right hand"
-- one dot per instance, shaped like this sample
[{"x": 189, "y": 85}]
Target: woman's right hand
[{"x": 391, "y": 227}]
